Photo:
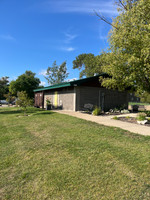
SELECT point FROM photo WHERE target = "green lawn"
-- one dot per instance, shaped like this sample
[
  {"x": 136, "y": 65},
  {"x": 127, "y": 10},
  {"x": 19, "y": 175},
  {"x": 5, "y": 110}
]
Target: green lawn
[
  {"x": 140, "y": 104},
  {"x": 47, "y": 155}
]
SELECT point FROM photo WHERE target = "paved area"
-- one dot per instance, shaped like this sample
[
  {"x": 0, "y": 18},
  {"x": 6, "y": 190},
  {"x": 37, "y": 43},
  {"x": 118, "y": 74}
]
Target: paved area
[
  {"x": 3, "y": 106},
  {"x": 106, "y": 120}
]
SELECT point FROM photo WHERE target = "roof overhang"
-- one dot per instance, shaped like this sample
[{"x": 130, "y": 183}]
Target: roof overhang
[{"x": 71, "y": 83}]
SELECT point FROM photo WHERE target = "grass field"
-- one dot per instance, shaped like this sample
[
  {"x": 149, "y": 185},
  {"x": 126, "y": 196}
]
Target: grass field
[
  {"x": 47, "y": 155},
  {"x": 140, "y": 104}
]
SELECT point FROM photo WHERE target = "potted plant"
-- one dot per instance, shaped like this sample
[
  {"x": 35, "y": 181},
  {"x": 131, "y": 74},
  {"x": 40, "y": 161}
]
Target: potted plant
[
  {"x": 48, "y": 104},
  {"x": 141, "y": 118}
]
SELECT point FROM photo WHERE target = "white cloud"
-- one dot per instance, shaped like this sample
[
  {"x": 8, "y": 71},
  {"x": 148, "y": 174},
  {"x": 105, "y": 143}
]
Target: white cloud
[
  {"x": 72, "y": 79},
  {"x": 103, "y": 37},
  {"x": 78, "y": 6},
  {"x": 43, "y": 83},
  {"x": 7, "y": 37},
  {"x": 68, "y": 41},
  {"x": 42, "y": 72},
  {"x": 69, "y": 37},
  {"x": 68, "y": 49}
]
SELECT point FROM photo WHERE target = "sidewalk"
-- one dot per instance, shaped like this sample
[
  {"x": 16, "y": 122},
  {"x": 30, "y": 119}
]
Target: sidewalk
[{"x": 107, "y": 121}]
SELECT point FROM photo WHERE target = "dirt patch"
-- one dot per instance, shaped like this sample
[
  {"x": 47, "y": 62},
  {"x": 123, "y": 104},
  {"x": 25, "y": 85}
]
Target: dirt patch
[
  {"x": 103, "y": 113},
  {"x": 132, "y": 120}
]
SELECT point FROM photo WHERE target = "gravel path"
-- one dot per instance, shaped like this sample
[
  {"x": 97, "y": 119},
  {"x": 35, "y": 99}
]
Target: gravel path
[{"x": 108, "y": 121}]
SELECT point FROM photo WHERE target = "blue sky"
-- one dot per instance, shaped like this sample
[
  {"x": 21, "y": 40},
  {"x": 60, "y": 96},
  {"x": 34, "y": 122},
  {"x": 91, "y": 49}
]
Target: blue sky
[{"x": 35, "y": 33}]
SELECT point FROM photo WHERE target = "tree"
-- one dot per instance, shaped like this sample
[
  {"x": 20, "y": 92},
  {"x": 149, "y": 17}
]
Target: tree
[
  {"x": 9, "y": 97},
  {"x": 145, "y": 97},
  {"x": 123, "y": 5},
  {"x": 3, "y": 86},
  {"x": 56, "y": 74},
  {"x": 88, "y": 64},
  {"x": 23, "y": 100},
  {"x": 25, "y": 82},
  {"x": 128, "y": 62}
]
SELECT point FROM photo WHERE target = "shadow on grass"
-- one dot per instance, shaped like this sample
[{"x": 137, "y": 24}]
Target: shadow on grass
[
  {"x": 11, "y": 112},
  {"x": 29, "y": 111},
  {"x": 44, "y": 113}
]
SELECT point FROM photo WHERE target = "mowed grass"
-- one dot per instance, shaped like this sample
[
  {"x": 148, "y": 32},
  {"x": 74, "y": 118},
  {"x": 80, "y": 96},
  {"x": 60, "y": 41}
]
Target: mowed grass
[
  {"x": 139, "y": 103},
  {"x": 47, "y": 155}
]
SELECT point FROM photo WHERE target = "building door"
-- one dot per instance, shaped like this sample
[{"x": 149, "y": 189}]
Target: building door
[{"x": 38, "y": 100}]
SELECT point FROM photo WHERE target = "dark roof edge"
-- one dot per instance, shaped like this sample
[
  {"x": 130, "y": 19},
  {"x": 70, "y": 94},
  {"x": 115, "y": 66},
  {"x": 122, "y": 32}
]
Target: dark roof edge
[
  {"x": 53, "y": 87},
  {"x": 71, "y": 83}
]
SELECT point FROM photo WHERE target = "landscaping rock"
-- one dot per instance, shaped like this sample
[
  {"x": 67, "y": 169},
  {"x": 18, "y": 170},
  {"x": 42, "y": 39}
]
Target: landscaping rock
[{"x": 142, "y": 122}]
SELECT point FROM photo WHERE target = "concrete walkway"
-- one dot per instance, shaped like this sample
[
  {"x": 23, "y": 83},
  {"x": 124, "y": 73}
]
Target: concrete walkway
[{"x": 106, "y": 120}]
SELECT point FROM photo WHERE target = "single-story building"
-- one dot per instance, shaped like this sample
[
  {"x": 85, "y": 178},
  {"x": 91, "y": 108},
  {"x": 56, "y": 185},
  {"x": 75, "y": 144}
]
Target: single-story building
[{"x": 74, "y": 95}]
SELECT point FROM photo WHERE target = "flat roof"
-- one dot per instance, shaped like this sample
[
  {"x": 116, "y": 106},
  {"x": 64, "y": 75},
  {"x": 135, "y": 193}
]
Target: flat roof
[{"x": 71, "y": 83}]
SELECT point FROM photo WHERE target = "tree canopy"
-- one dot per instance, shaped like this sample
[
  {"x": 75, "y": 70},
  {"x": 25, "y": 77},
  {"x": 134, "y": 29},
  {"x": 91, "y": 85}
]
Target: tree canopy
[
  {"x": 145, "y": 97},
  {"x": 129, "y": 59},
  {"x": 56, "y": 74},
  {"x": 3, "y": 86},
  {"x": 88, "y": 64},
  {"x": 26, "y": 82},
  {"x": 9, "y": 98}
]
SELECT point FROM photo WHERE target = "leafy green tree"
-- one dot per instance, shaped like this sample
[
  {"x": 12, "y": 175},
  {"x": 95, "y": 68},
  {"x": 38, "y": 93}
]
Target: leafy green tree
[
  {"x": 145, "y": 97},
  {"x": 88, "y": 64},
  {"x": 25, "y": 82},
  {"x": 23, "y": 100},
  {"x": 3, "y": 86},
  {"x": 56, "y": 74},
  {"x": 128, "y": 62},
  {"x": 9, "y": 97}
]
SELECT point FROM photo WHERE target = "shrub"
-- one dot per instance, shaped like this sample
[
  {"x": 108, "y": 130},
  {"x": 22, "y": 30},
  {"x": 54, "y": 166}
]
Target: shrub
[
  {"x": 122, "y": 107},
  {"x": 23, "y": 101},
  {"x": 147, "y": 113},
  {"x": 9, "y": 98},
  {"x": 48, "y": 102},
  {"x": 115, "y": 117},
  {"x": 124, "y": 111},
  {"x": 128, "y": 117},
  {"x": 141, "y": 117},
  {"x": 97, "y": 111}
]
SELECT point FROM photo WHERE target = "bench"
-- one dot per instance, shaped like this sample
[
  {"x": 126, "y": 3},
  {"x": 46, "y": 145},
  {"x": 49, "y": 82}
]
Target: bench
[
  {"x": 136, "y": 108},
  {"x": 141, "y": 107}
]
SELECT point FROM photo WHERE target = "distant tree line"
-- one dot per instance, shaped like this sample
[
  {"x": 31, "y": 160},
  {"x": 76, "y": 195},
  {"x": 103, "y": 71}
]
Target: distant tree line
[{"x": 24, "y": 84}]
